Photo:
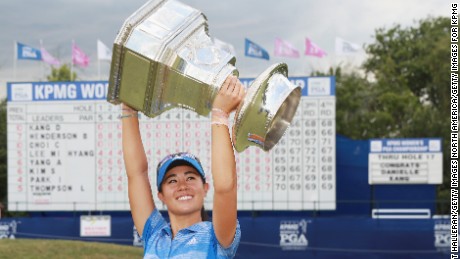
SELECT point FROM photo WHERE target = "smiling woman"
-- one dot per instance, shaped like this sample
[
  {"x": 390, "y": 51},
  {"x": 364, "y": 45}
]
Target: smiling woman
[{"x": 182, "y": 187}]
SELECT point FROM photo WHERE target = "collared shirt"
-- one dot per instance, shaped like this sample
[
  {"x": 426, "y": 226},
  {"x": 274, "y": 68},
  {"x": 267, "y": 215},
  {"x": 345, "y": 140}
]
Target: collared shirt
[{"x": 196, "y": 241}]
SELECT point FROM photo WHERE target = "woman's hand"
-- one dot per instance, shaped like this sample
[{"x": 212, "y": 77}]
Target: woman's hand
[{"x": 230, "y": 95}]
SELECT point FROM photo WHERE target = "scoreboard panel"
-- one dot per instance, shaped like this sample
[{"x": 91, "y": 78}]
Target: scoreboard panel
[{"x": 64, "y": 150}]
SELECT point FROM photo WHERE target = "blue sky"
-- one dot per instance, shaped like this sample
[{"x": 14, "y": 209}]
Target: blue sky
[{"x": 58, "y": 22}]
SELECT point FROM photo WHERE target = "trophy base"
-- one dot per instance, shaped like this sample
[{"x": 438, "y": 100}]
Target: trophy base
[{"x": 267, "y": 110}]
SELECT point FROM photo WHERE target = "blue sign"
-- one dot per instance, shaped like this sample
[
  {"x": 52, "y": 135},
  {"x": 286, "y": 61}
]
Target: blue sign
[
  {"x": 286, "y": 237},
  {"x": 97, "y": 90},
  {"x": 405, "y": 145},
  {"x": 57, "y": 91}
]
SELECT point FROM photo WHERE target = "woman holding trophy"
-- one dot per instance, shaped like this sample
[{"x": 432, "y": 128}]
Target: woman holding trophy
[
  {"x": 163, "y": 57},
  {"x": 182, "y": 188}
]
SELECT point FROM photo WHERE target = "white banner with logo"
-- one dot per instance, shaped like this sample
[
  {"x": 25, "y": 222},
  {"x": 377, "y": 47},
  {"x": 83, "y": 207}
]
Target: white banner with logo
[{"x": 95, "y": 226}]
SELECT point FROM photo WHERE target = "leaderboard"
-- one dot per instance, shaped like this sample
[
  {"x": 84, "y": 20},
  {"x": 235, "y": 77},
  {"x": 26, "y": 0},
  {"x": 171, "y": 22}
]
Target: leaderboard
[{"x": 65, "y": 153}]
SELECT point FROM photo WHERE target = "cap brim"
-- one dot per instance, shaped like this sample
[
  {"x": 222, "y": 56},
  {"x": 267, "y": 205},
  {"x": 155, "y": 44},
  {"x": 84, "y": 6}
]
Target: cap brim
[{"x": 176, "y": 162}]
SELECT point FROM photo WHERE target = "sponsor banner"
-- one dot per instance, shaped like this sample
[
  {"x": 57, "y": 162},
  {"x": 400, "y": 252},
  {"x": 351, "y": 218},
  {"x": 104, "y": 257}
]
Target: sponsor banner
[
  {"x": 95, "y": 226},
  {"x": 344, "y": 47},
  {"x": 57, "y": 91},
  {"x": 97, "y": 90},
  {"x": 288, "y": 236},
  {"x": 311, "y": 49},
  {"x": 27, "y": 52},
  {"x": 254, "y": 50}
]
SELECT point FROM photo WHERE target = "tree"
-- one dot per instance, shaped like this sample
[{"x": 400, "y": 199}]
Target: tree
[
  {"x": 409, "y": 94},
  {"x": 355, "y": 99},
  {"x": 61, "y": 74},
  {"x": 415, "y": 62}
]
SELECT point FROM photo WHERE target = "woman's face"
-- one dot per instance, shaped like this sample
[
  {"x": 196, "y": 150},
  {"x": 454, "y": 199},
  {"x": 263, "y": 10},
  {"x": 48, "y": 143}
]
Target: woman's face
[{"x": 183, "y": 190}]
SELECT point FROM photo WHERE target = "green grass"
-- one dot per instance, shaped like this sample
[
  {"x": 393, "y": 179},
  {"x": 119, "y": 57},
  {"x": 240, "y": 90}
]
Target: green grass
[{"x": 40, "y": 248}]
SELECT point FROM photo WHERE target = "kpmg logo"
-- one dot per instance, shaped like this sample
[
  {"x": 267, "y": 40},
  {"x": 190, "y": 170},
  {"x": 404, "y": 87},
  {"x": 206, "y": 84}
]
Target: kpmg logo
[
  {"x": 21, "y": 92},
  {"x": 293, "y": 235}
]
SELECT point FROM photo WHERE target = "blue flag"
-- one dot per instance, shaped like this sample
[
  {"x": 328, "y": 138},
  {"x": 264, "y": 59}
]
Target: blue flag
[
  {"x": 27, "y": 52},
  {"x": 253, "y": 50}
]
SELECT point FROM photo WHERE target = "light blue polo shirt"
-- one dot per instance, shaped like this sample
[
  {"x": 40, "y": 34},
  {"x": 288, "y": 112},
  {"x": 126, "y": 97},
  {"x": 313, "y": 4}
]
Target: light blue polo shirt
[{"x": 196, "y": 241}]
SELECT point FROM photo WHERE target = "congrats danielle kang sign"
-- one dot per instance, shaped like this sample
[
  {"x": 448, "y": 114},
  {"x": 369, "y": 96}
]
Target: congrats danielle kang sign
[{"x": 405, "y": 161}]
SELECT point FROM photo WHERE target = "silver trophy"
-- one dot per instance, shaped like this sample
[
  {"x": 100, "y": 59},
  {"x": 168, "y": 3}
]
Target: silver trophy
[{"x": 163, "y": 57}]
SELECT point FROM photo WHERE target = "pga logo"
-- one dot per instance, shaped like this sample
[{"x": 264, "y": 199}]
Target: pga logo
[
  {"x": 293, "y": 235},
  {"x": 21, "y": 92},
  {"x": 293, "y": 239},
  {"x": 320, "y": 86}
]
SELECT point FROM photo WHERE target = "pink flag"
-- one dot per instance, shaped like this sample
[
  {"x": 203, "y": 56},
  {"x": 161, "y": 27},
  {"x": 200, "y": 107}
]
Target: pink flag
[
  {"x": 311, "y": 49},
  {"x": 79, "y": 57},
  {"x": 285, "y": 49},
  {"x": 47, "y": 58}
]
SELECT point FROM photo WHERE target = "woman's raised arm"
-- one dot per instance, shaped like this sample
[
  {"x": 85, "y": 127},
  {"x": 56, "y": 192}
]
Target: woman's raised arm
[
  {"x": 140, "y": 194},
  {"x": 223, "y": 162}
]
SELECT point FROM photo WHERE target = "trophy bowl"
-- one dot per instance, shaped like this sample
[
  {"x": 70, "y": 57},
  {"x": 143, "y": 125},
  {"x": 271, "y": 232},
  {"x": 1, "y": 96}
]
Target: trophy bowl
[{"x": 163, "y": 58}]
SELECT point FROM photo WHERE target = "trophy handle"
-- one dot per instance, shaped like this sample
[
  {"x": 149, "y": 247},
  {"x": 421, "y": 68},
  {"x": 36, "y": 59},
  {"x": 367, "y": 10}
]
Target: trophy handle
[{"x": 267, "y": 110}]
